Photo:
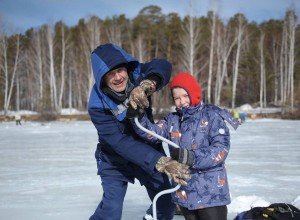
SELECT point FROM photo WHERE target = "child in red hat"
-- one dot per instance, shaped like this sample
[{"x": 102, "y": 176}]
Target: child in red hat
[
  {"x": 201, "y": 132},
  {"x": 192, "y": 90}
]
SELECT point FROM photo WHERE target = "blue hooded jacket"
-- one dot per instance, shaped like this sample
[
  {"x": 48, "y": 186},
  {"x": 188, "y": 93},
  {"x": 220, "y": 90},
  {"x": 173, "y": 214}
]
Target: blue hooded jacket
[{"x": 119, "y": 146}]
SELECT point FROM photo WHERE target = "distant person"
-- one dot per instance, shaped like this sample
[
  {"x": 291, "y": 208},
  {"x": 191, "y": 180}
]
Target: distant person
[
  {"x": 236, "y": 114},
  {"x": 122, "y": 156},
  {"x": 200, "y": 131},
  {"x": 243, "y": 117},
  {"x": 18, "y": 119}
]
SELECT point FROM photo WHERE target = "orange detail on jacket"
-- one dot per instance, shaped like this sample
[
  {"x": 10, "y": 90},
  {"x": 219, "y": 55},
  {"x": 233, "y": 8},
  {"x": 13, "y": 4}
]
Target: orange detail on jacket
[
  {"x": 221, "y": 181},
  {"x": 220, "y": 157},
  {"x": 194, "y": 146},
  {"x": 176, "y": 134},
  {"x": 149, "y": 136},
  {"x": 182, "y": 195}
]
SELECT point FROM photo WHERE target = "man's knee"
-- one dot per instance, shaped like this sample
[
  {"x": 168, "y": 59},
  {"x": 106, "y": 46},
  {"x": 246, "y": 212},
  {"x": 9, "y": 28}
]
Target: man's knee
[{"x": 108, "y": 210}]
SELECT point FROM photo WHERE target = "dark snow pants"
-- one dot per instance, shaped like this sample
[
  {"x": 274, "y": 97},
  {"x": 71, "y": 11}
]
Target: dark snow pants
[{"x": 114, "y": 190}]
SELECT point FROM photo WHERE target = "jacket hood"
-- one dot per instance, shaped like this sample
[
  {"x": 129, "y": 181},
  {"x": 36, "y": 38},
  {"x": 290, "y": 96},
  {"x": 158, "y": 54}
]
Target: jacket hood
[
  {"x": 106, "y": 57},
  {"x": 187, "y": 82}
]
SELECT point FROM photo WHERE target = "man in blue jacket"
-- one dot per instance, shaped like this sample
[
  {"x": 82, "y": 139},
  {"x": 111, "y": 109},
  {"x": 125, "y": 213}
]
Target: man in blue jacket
[{"x": 120, "y": 81}]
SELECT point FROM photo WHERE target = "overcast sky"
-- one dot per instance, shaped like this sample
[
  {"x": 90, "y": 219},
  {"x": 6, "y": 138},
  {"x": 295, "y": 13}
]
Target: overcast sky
[{"x": 23, "y": 14}]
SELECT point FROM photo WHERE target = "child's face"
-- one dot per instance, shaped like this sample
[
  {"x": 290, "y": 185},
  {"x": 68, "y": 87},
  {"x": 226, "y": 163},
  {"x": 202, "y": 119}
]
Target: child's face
[{"x": 181, "y": 98}]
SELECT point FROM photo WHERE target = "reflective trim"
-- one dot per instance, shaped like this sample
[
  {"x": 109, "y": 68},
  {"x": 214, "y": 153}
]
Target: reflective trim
[{"x": 121, "y": 107}]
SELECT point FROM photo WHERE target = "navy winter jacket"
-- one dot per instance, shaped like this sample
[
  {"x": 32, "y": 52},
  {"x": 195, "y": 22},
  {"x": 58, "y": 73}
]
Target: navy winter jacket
[
  {"x": 119, "y": 146},
  {"x": 201, "y": 130}
]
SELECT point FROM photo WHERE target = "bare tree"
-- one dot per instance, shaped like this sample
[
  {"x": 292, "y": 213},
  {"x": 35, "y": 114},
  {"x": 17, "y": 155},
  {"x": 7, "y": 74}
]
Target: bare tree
[
  {"x": 239, "y": 36},
  {"x": 4, "y": 67},
  {"x": 17, "y": 92},
  {"x": 141, "y": 49},
  {"x": 70, "y": 94},
  {"x": 65, "y": 44},
  {"x": 224, "y": 48},
  {"x": 283, "y": 65},
  {"x": 291, "y": 17},
  {"x": 34, "y": 57},
  {"x": 114, "y": 33},
  {"x": 190, "y": 44},
  {"x": 262, "y": 94},
  {"x": 129, "y": 34},
  {"x": 91, "y": 38},
  {"x": 9, "y": 71},
  {"x": 52, "y": 75},
  {"x": 287, "y": 60},
  {"x": 211, "y": 55},
  {"x": 275, "y": 63}
]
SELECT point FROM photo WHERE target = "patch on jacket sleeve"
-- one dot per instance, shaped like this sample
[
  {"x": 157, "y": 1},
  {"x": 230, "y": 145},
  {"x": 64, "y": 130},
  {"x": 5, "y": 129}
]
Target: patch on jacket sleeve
[{"x": 221, "y": 131}]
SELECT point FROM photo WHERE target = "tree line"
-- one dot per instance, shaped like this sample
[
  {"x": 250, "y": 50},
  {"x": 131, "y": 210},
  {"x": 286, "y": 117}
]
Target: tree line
[{"x": 236, "y": 62}]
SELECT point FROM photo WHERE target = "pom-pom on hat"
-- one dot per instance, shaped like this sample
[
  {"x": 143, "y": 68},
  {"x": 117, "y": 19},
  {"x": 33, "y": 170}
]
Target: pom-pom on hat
[{"x": 188, "y": 83}]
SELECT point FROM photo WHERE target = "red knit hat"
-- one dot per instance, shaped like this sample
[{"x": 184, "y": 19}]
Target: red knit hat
[{"x": 189, "y": 83}]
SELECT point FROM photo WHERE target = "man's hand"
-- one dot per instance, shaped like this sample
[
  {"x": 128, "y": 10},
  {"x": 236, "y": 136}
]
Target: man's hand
[
  {"x": 138, "y": 96},
  {"x": 180, "y": 173}
]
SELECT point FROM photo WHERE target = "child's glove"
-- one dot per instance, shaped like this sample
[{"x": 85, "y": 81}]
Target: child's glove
[{"x": 182, "y": 156}]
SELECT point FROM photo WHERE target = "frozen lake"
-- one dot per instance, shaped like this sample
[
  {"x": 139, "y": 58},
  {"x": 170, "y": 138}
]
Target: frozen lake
[{"x": 48, "y": 171}]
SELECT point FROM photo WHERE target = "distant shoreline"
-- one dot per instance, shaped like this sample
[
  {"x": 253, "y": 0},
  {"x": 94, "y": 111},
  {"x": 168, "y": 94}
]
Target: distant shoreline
[{"x": 86, "y": 117}]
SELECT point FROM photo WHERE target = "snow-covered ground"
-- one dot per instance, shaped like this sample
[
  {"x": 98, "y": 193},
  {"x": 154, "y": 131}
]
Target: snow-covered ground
[
  {"x": 48, "y": 171},
  {"x": 64, "y": 111}
]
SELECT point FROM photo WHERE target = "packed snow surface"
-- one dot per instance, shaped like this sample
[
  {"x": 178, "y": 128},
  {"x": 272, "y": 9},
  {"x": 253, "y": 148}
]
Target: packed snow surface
[{"x": 48, "y": 170}]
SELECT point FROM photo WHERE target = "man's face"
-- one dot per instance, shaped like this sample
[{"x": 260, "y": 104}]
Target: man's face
[{"x": 117, "y": 79}]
